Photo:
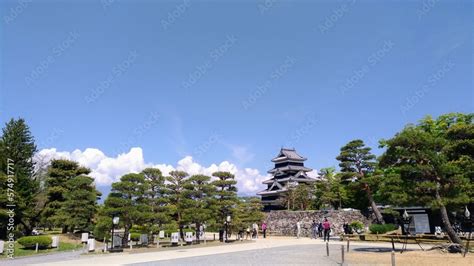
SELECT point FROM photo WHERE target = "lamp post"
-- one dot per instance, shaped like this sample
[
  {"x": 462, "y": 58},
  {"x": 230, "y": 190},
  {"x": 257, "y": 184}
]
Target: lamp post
[
  {"x": 115, "y": 221},
  {"x": 227, "y": 221},
  {"x": 406, "y": 220},
  {"x": 468, "y": 224}
]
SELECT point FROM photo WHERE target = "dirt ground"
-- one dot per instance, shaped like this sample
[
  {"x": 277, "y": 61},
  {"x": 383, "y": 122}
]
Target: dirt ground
[{"x": 418, "y": 258}]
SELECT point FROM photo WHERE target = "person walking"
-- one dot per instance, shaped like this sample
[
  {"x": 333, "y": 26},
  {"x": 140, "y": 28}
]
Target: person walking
[
  {"x": 255, "y": 231},
  {"x": 264, "y": 229},
  {"x": 327, "y": 229},
  {"x": 298, "y": 229},
  {"x": 320, "y": 229},
  {"x": 314, "y": 230}
]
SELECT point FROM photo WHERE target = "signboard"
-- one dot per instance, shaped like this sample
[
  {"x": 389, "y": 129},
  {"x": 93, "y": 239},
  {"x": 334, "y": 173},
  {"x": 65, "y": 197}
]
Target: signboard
[
  {"x": 117, "y": 240},
  {"x": 162, "y": 234},
  {"x": 84, "y": 237},
  {"x": 2, "y": 246},
  {"x": 422, "y": 223},
  {"x": 55, "y": 243},
  {"x": 91, "y": 245},
  {"x": 174, "y": 238},
  {"x": 143, "y": 239},
  {"x": 189, "y": 237}
]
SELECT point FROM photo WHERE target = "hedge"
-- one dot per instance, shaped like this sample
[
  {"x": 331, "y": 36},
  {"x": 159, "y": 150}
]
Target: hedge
[
  {"x": 382, "y": 228},
  {"x": 30, "y": 241}
]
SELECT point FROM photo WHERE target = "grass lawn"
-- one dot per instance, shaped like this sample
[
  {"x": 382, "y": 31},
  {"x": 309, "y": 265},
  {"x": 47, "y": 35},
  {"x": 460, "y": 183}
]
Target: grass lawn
[{"x": 20, "y": 251}]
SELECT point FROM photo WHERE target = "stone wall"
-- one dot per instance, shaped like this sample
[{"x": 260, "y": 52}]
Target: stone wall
[{"x": 284, "y": 222}]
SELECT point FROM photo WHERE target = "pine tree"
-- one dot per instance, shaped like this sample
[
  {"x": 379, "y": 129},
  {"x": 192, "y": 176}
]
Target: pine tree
[
  {"x": 200, "y": 201},
  {"x": 176, "y": 197},
  {"x": 432, "y": 163},
  {"x": 60, "y": 172},
  {"x": 128, "y": 201},
  {"x": 226, "y": 194},
  {"x": 157, "y": 199},
  {"x": 17, "y": 146},
  {"x": 357, "y": 165}
]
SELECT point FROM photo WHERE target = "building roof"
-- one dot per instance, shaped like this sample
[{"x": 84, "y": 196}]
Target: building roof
[
  {"x": 288, "y": 154},
  {"x": 290, "y": 168}
]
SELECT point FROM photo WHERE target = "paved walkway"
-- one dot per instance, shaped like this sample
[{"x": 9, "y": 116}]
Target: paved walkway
[{"x": 270, "y": 251}]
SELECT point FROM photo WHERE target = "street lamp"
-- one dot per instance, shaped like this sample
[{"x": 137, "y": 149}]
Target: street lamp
[
  {"x": 468, "y": 224},
  {"x": 227, "y": 222},
  {"x": 115, "y": 221},
  {"x": 406, "y": 220}
]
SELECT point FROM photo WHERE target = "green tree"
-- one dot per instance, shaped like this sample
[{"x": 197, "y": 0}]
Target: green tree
[
  {"x": 176, "y": 197},
  {"x": 249, "y": 211},
  {"x": 330, "y": 191},
  {"x": 200, "y": 205},
  {"x": 433, "y": 163},
  {"x": 226, "y": 194},
  {"x": 128, "y": 201},
  {"x": 60, "y": 172},
  {"x": 303, "y": 196},
  {"x": 80, "y": 205},
  {"x": 17, "y": 146},
  {"x": 157, "y": 199},
  {"x": 358, "y": 165}
]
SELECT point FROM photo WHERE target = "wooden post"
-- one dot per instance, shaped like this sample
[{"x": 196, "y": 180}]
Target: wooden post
[
  {"x": 348, "y": 241},
  {"x": 393, "y": 245},
  {"x": 36, "y": 249},
  {"x": 393, "y": 258},
  {"x": 342, "y": 253},
  {"x": 214, "y": 237},
  {"x": 327, "y": 249}
]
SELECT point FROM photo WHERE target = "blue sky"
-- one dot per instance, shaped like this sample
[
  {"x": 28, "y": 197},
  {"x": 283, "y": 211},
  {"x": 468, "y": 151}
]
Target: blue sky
[{"x": 232, "y": 81}]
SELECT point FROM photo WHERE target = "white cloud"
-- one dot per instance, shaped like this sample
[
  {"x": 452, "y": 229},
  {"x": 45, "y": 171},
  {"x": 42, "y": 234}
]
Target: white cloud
[{"x": 107, "y": 170}]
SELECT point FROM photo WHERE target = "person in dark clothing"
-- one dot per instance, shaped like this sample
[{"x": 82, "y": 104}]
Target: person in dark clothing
[{"x": 320, "y": 229}]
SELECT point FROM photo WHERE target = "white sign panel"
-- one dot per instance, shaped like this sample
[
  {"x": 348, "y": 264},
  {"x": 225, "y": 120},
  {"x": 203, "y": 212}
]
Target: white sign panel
[
  {"x": 174, "y": 238},
  {"x": 2, "y": 246},
  {"x": 422, "y": 223},
  {"x": 55, "y": 242},
  {"x": 189, "y": 237},
  {"x": 91, "y": 245},
  {"x": 162, "y": 234},
  {"x": 84, "y": 237}
]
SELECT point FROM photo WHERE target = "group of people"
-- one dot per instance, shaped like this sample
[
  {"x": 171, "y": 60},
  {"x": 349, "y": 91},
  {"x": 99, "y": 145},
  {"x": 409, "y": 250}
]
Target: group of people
[
  {"x": 253, "y": 232},
  {"x": 321, "y": 229}
]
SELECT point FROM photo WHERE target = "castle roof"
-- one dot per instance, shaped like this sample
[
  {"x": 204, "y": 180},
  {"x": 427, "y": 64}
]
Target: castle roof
[{"x": 288, "y": 155}]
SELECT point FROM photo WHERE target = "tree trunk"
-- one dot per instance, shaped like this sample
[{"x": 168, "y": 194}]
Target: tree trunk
[
  {"x": 125, "y": 236},
  {"x": 375, "y": 209},
  {"x": 447, "y": 224}
]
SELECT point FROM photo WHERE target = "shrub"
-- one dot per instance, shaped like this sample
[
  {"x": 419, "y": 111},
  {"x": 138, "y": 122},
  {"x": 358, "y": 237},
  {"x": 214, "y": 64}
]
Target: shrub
[
  {"x": 381, "y": 228},
  {"x": 135, "y": 236},
  {"x": 30, "y": 241},
  {"x": 356, "y": 225}
]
